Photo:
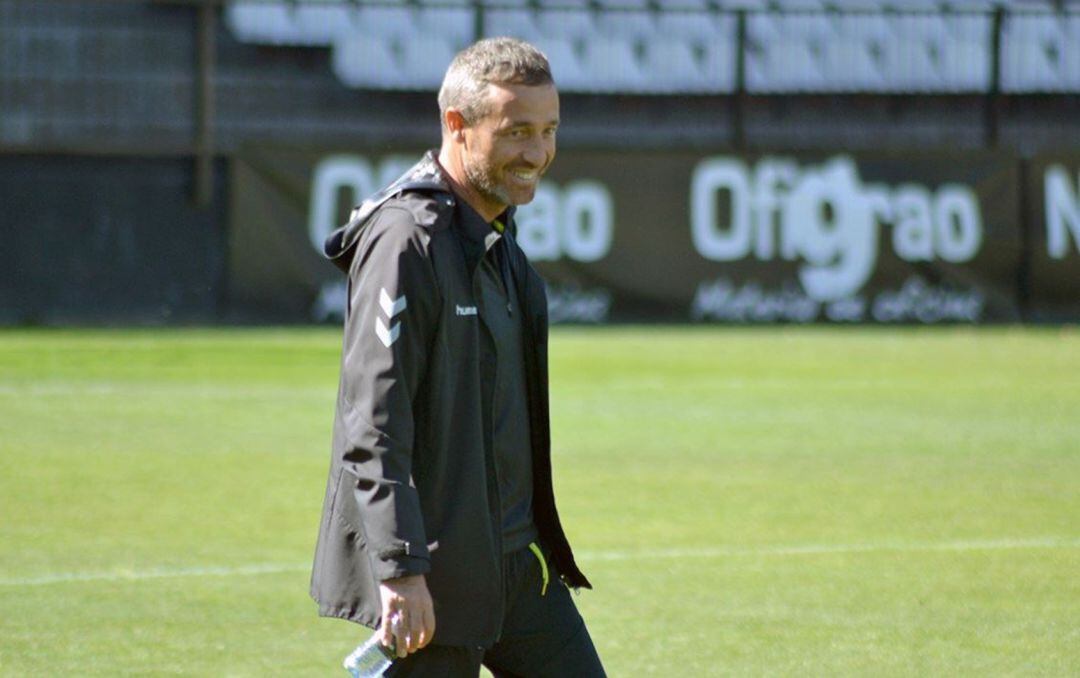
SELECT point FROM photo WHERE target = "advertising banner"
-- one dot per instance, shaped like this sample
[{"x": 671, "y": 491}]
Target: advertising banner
[
  {"x": 1053, "y": 201},
  {"x": 682, "y": 236}
]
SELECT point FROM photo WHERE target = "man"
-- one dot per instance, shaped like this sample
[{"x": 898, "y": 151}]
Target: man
[{"x": 439, "y": 527}]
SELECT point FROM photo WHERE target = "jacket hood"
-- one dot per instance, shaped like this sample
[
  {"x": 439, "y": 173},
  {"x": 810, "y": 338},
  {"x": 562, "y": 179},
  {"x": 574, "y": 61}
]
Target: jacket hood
[{"x": 424, "y": 177}]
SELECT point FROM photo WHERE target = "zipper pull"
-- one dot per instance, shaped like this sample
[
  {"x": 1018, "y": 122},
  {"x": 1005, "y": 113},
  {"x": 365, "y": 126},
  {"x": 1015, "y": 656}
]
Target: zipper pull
[{"x": 509, "y": 310}]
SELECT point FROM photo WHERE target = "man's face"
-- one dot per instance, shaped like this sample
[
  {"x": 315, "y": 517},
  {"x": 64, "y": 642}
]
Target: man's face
[{"x": 506, "y": 151}]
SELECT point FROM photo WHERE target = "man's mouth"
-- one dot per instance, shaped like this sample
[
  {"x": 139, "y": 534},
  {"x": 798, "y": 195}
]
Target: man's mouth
[{"x": 525, "y": 176}]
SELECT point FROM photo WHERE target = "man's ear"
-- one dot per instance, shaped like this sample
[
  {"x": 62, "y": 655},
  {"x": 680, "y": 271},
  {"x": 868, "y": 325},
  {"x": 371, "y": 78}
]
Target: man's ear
[{"x": 455, "y": 124}]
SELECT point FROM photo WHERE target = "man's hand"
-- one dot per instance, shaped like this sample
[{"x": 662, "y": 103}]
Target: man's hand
[{"x": 408, "y": 615}]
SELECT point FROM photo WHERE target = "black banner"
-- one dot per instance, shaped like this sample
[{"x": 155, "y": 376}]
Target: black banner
[
  {"x": 1053, "y": 201},
  {"x": 653, "y": 236}
]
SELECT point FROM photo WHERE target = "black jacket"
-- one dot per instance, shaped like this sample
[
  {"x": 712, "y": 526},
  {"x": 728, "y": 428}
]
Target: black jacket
[{"x": 412, "y": 486}]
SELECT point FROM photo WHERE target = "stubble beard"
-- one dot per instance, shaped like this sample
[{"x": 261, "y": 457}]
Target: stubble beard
[{"x": 481, "y": 179}]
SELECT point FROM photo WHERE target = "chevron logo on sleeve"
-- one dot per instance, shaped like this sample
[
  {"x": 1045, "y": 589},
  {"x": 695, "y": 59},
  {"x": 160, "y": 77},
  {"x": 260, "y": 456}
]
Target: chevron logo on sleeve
[
  {"x": 391, "y": 307},
  {"x": 388, "y": 334}
]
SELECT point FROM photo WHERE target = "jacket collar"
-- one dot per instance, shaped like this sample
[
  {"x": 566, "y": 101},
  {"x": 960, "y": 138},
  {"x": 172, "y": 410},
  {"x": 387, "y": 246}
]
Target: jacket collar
[
  {"x": 426, "y": 176},
  {"x": 475, "y": 228}
]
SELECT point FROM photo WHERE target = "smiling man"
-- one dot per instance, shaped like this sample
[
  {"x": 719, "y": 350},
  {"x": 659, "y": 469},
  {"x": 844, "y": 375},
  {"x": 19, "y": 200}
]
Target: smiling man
[{"x": 439, "y": 526}]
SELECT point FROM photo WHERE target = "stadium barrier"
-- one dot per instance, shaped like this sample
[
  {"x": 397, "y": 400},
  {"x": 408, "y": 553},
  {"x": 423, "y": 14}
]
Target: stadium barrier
[
  {"x": 113, "y": 111},
  {"x": 918, "y": 237},
  {"x": 93, "y": 240}
]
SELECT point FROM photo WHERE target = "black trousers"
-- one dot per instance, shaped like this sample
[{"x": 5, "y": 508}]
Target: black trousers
[{"x": 543, "y": 634}]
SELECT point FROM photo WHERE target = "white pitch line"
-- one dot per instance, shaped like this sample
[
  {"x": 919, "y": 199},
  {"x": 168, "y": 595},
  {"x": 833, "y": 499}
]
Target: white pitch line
[
  {"x": 155, "y": 573},
  {"x": 829, "y": 549},
  {"x": 616, "y": 555},
  {"x": 110, "y": 388}
]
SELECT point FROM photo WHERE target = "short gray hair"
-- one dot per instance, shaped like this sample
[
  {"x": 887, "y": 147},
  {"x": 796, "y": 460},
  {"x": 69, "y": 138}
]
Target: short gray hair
[{"x": 500, "y": 61}]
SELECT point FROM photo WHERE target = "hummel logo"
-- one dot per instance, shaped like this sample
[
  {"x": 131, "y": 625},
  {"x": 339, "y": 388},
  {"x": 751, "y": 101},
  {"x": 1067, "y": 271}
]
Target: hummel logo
[
  {"x": 466, "y": 310},
  {"x": 391, "y": 307},
  {"x": 387, "y": 336}
]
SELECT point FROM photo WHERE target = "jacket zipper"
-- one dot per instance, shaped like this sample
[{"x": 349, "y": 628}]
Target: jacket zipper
[
  {"x": 496, "y": 511},
  {"x": 503, "y": 257}
]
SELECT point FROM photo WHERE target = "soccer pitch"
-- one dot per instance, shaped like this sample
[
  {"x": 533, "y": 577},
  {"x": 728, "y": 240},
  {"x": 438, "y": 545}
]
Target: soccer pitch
[{"x": 773, "y": 501}]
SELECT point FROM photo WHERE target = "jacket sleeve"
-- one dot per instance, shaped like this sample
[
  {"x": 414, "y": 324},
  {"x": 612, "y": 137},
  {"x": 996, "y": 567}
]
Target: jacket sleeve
[{"x": 390, "y": 324}]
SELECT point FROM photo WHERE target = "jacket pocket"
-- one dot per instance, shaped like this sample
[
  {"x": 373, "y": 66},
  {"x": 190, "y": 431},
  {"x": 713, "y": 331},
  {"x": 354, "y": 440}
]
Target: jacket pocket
[
  {"x": 342, "y": 581},
  {"x": 346, "y": 514}
]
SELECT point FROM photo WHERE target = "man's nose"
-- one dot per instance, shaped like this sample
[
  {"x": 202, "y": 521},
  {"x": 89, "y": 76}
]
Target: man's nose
[{"x": 536, "y": 153}]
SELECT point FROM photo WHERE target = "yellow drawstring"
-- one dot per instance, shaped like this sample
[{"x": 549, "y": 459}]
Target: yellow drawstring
[{"x": 543, "y": 566}]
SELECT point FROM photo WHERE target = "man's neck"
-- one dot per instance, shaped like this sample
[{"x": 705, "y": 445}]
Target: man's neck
[{"x": 455, "y": 175}]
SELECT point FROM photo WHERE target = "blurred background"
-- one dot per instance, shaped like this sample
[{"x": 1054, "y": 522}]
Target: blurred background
[{"x": 178, "y": 161}]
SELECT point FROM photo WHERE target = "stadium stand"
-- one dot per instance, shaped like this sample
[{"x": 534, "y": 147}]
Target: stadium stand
[
  {"x": 80, "y": 74},
  {"x": 635, "y": 46},
  {"x": 71, "y": 68},
  {"x": 366, "y": 61},
  {"x": 1041, "y": 53},
  {"x": 566, "y": 63}
]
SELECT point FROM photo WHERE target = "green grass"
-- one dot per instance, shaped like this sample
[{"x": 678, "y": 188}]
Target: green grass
[{"x": 811, "y": 501}]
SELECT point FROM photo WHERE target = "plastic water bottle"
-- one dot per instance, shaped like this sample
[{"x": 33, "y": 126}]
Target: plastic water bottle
[{"x": 369, "y": 660}]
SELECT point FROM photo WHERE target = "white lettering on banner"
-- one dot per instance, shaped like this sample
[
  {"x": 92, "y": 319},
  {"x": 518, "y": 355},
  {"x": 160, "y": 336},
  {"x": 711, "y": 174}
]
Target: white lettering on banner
[
  {"x": 722, "y": 300},
  {"x": 829, "y": 220},
  {"x": 918, "y": 301},
  {"x": 392, "y": 167},
  {"x": 538, "y": 224},
  {"x": 330, "y": 176},
  {"x": 914, "y": 301},
  {"x": 732, "y": 242},
  {"x": 825, "y": 216},
  {"x": 913, "y": 228},
  {"x": 346, "y": 172},
  {"x": 570, "y": 304},
  {"x": 577, "y": 221},
  {"x": 587, "y": 218},
  {"x": 770, "y": 179},
  {"x": 1062, "y": 211},
  {"x": 957, "y": 222},
  {"x": 848, "y": 310}
]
